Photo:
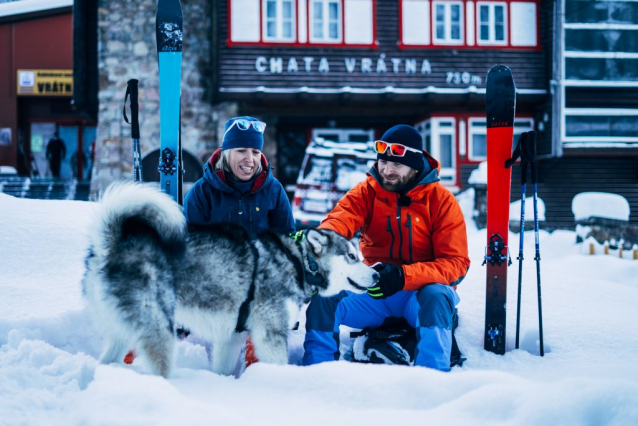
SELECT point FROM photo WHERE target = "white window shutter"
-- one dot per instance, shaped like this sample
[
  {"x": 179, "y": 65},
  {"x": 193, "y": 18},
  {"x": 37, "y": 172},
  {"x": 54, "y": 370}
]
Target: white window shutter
[
  {"x": 523, "y": 24},
  {"x": 358, "y": 22},
  {"x": 302, "y": 24},
  {"x": 244, "y": 20},
  {"x": 470, "y": 20},
  {"x": 416, "y": 22}
]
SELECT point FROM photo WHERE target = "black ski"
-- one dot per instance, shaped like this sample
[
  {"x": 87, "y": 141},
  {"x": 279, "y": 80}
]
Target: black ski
[{"x": 500, "y": 99}]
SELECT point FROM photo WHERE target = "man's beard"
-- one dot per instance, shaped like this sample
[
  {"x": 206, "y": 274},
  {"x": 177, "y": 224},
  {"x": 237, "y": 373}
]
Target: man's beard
[{"x": 399, "y": 184}]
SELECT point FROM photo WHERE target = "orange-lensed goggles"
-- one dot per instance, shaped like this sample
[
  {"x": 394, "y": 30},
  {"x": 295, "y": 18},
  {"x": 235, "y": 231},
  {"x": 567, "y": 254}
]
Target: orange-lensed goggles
[{"x": 396, "y": 149}]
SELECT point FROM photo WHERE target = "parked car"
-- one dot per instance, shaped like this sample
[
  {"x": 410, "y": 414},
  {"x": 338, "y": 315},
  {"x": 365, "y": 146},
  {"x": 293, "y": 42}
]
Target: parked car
[{"x": 328, "y": 171}]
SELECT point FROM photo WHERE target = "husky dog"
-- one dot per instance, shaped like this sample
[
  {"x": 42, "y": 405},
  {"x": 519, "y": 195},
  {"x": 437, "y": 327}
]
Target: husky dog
[{"x": 147, "y": 271}]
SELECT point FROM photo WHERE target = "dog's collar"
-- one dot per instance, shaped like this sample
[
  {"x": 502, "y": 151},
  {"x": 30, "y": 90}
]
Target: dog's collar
[{"x": 311, "y": 275}]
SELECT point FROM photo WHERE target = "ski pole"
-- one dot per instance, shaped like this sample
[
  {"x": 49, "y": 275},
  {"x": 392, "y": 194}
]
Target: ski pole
[
  {"x": 520, "y": 249},
  {"x": 532, "y": 158},
  {"x": 131, "y": 90},
  {"x": 520, "y": 151}
]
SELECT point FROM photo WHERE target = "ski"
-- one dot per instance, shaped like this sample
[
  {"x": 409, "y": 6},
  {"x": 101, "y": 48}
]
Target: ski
[
  {"x": 500, "y": 100},
  {"x": 169, "y": 56}
]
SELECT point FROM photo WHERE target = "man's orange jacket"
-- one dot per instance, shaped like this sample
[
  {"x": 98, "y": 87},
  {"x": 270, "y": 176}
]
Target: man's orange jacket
[{"x": 427, "y": 235}]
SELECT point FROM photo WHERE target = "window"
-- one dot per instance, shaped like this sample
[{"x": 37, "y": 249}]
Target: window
[
  {"x": 279, "y": 20},
  {"x": 499, "y": 24},
  {"x": 448, "y": 22},
  {"x": 491, "y": 20},
  {"x": 299, "y": 23},
  {"x": 439, "y": 136},
  {"x": 478, "y": 135},
  {"x": 325, "y": 21}
]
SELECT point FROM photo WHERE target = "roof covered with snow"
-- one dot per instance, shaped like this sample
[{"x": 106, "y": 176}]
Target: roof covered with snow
[{"x": 17, "y": 9}]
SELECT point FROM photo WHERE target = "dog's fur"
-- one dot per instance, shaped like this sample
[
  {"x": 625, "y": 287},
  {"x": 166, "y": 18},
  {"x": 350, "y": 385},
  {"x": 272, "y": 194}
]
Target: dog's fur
[{"x": 147, "y": 271}]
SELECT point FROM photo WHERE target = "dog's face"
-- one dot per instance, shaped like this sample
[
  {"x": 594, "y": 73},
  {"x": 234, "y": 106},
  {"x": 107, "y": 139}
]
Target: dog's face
[{"x": 339, "y": 263}]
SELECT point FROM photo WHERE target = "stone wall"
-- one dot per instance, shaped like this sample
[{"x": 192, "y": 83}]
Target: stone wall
[{"x": 127, "y": 49}]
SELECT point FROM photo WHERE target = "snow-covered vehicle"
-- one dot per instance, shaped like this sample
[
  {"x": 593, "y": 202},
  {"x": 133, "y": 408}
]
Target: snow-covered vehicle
[{"x": 328, "y": 171}]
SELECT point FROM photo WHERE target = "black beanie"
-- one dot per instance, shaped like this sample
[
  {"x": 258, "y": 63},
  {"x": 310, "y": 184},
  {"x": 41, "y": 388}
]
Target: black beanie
[{"x": 407, "y": 136}]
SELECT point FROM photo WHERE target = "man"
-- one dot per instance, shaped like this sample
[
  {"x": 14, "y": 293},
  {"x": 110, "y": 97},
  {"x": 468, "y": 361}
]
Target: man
[
  {"x": 56, "y": 151},
  {"x": 413, "y": 230}
]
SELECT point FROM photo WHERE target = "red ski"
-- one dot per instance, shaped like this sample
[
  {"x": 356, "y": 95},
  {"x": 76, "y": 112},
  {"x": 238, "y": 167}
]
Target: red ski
[{"x": 500, "y": 99}]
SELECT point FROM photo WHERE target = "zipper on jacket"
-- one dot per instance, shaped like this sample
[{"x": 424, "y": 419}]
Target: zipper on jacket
[
  {"x": 389, "y": 229},
  {"x": 399, "y": 228},
  {"x": 230, "y": 210},
  {"x": 408, "y": 225}
]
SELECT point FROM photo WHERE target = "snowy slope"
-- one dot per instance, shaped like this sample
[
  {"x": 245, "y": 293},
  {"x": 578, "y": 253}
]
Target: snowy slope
[{"x": 48, "y": 349}]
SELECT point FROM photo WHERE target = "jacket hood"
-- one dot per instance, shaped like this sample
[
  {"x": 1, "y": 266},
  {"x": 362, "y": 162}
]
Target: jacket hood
[
  {"x": 424, "y": 178},
  {"x": 218, "y": 180}
]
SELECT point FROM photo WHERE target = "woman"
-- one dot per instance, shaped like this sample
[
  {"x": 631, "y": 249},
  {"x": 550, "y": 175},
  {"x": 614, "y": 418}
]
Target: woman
[{"x": 238, "y": 185}]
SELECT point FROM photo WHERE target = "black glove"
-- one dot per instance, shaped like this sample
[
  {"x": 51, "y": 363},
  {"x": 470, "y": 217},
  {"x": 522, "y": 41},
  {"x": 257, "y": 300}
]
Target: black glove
[{"x": 391, "y": 281}]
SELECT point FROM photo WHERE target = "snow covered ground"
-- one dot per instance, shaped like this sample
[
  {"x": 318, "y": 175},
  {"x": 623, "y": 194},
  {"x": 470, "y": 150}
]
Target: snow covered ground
[{"x": 48, "y": 349}]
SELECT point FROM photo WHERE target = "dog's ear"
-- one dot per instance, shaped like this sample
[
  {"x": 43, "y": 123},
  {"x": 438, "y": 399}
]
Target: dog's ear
[{"x": 317, "y": 241}]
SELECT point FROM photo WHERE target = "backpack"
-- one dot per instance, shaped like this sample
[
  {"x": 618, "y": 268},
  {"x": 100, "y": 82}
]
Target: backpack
[{"x": 394, "y": 342}]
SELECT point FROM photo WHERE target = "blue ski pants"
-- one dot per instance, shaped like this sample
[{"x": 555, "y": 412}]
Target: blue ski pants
[{"x": 429, "y": 310}]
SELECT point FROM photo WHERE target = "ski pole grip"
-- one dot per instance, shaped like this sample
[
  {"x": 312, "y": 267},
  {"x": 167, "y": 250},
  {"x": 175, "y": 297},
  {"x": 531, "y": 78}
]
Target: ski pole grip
[{"x": 135, "y": 118}]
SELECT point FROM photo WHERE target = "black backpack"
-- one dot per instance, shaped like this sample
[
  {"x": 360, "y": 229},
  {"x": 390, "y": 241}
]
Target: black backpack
[{"x": 394, "y": 342}]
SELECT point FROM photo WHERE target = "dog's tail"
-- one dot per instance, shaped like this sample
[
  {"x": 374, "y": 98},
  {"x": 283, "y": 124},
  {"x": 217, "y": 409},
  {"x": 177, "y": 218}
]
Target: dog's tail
[{"x": 130, "y": 210}]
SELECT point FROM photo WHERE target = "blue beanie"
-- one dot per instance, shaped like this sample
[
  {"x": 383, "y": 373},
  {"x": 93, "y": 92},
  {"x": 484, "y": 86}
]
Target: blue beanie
[
  {"x": 407, "y": 136},
  {"x": 238, "y": 138}
]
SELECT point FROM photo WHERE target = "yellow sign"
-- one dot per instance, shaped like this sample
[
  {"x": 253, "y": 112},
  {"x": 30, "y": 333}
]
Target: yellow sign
[{"x": 45, "y": 82}]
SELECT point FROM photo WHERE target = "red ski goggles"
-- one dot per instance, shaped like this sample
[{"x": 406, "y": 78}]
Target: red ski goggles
[{"x": 396, "y": 149}]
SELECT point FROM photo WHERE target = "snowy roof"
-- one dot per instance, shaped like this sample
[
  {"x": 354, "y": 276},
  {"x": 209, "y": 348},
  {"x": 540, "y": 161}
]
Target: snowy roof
[
  {"x": 326, "y": 148},
  {"x": 31, "y": 6},
  {"x": 600, "y": 204}
]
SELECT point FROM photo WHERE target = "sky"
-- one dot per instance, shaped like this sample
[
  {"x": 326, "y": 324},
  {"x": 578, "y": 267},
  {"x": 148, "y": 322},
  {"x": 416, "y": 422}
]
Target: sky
[{"x": 49, "y": 349}]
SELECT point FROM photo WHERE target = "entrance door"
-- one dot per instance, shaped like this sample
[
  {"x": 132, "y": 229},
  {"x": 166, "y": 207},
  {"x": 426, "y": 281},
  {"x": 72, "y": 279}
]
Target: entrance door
[{"x": 77, "y": 139}]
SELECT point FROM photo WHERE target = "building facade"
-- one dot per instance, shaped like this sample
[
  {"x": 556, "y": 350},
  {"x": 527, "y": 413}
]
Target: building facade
[
  {"x": 347, "y": 70},
  {"x": 36, "y": 53},
  {"x": 350, "y": 69}
]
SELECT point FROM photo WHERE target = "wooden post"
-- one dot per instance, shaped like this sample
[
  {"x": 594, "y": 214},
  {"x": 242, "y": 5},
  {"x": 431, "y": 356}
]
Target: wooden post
[
  {"x": 606, "y": 247},
  {"x": 620, "y": 251},
  {"x": 635, "y": 250},
  {"x": 592, "y": 249}
]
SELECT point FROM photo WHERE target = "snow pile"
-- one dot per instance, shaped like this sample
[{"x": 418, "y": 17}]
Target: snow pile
[
  {"x": 515, "y": 209},
  {"x": 479, "y": 175},
  {"x": 600, "y": 204},
  {"x": 48, "y": 349}
]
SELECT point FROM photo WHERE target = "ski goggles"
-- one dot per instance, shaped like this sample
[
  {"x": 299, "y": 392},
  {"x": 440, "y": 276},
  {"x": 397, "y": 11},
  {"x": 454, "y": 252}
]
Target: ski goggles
[
  {"x": 396, "y": 149},
  {"x": 243, "y": 124}
]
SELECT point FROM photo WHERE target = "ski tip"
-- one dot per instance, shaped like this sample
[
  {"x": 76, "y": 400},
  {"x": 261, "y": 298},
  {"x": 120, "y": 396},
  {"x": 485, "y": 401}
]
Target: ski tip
[{"x": 169, "y": 26}]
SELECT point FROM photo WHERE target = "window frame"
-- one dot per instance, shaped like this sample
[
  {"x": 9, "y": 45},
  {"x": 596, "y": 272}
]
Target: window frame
[
  {"x": 326, "y": 21},
  {"x": 492, "y": 23},
  {"x": 473, "y": 129},
  {"x": 447, "y": 41},
  {"x": 279, "y": 20}
]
